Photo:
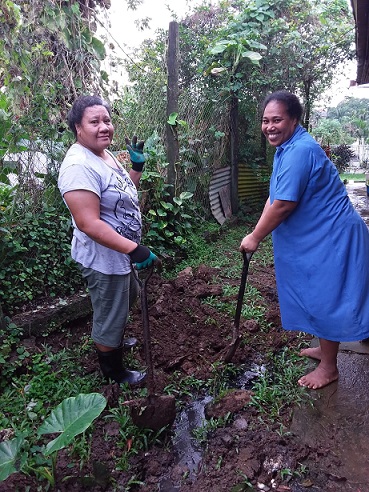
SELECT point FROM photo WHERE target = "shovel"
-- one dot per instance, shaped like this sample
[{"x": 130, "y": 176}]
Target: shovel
[
  {"x": 236, "y": 337},
  {"x": 153, "y": 412}
]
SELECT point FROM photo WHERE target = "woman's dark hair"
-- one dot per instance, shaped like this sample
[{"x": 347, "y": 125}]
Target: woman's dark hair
[
  {"x": 293, "y": 106},
  {"x": 75, "y": 115}
]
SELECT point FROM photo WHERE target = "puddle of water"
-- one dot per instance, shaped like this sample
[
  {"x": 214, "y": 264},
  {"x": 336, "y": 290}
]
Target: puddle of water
[
  {"x": 187, "y": 450},
  {"x": 245, "y": 379},
  {"x": 338, "y": 421},
  {"x": 360, "y": 200}
]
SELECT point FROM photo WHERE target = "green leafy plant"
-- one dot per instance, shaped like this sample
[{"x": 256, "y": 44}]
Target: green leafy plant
[
  {"x": 35, "y": 257},
  {"x": 174, "y": 121},
  {"x": 201, "y": 433},
  {"x": 10, "y": 336},
  {"x": 167, "y": 221},
  {"x": 69, "y": 419},
  {"x": 131, "y": 439}
]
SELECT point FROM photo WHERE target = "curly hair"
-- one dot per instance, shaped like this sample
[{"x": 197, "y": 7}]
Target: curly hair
[
  {"x": 75, "y": 115},
  {"x": 293, "y": 106}
]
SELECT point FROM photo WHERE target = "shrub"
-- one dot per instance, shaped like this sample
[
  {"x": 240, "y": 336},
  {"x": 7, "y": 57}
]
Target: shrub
[
  {"x": 341, "y": 156},
  {"x": 35, "y": 257}
]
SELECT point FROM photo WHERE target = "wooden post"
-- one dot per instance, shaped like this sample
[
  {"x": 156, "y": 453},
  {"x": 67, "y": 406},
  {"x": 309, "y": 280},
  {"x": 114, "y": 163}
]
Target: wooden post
[
  {"x": 233, "y": 116},
  {"x": 172, "y": 105}
]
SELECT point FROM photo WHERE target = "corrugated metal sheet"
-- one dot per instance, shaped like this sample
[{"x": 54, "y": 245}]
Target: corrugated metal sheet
[
  {"x": 251, "y": 190},
  {"x": 220, "y": 194}
]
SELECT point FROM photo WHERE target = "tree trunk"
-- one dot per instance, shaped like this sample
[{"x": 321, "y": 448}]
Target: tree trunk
[
  {"x": 306, "y": 122},
  {"x": 2, "y": 320}
]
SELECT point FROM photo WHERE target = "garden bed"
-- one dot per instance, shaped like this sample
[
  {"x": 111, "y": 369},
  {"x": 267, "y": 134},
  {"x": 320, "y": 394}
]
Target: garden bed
[{"x": 243, "y": 447}]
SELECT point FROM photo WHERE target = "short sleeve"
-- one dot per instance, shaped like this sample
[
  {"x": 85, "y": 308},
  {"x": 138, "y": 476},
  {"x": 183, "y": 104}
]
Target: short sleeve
[
  {"x": 79, "y": 177},
  {"x": 293, "y": 172}
]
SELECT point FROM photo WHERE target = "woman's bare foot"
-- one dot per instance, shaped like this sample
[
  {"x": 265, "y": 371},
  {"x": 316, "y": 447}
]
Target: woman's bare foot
[
  {"x": 319, "y": 378},
  {"x": 314, "y": 353}
]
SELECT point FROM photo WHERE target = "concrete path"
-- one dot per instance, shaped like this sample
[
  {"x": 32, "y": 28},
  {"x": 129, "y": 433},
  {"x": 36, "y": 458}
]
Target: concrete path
[{"x": 358, "y": 195}]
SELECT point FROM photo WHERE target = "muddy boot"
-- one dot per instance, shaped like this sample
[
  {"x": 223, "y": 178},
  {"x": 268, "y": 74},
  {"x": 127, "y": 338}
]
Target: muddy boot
[{"x": 111, "y": 365}]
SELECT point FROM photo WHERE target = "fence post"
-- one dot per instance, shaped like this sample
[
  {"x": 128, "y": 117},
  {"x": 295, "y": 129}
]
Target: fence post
[
  {"x": 233, "y": 116},
  {"x": 172, "y": 104}
]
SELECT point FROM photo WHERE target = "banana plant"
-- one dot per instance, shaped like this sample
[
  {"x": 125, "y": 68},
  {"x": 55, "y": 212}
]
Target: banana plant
[{"x": 71, "y": 417}]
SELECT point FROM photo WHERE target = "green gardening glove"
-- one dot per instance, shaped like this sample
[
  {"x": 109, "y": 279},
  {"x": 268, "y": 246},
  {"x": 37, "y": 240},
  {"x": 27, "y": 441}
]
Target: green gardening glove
[
  {"x": 142, "y": 257},
  {"x": 136, "y": 154}
]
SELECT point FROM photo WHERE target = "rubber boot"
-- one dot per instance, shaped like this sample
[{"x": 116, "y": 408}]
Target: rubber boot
[{"x": 111, "y": 365}]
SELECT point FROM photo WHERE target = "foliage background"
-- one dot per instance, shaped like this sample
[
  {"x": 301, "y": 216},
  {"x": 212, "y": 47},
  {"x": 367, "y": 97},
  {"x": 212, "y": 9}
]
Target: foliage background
[{"x": 230, "y": 55}]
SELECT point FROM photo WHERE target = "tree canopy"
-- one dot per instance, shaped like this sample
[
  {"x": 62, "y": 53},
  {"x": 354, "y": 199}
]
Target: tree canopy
[{"x": 353, "y": 115}]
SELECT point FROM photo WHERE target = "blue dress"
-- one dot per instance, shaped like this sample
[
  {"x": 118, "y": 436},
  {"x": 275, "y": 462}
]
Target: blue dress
[{"x": 321, "y": 250}]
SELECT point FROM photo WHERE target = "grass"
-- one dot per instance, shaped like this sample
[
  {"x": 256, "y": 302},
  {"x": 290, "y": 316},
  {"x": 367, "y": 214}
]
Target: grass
[
  {"x": 352, "y": 176},
  {"x": 276, "y": 390}
]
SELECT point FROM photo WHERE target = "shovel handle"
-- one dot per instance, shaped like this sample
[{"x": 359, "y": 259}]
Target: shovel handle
[
  {"x": 241, "y": 292},
  {"x": 236, "y": 324},
  {"x": 142, "y": 282}
]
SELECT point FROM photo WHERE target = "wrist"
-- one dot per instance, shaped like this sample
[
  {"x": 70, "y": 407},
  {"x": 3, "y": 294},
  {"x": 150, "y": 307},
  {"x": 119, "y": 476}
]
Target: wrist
[
  {"x": 137, "y": 166},
  {"x": 132, "y": 248},
  {"x": 139, "y": 254},
  {"x": 255, "y": 237}
]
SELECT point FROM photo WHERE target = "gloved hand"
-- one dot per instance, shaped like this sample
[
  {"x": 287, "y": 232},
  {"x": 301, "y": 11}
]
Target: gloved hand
[
  {"x": 142, "y": 257},
  {"x": 136, "y": 153}
]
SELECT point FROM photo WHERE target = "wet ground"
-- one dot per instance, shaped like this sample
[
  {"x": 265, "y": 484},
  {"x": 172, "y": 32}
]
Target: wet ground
[
  {"x": 339, "y": 420},
  {"x": 339, "y": 416},
  {"x": 358, "y": 195}
]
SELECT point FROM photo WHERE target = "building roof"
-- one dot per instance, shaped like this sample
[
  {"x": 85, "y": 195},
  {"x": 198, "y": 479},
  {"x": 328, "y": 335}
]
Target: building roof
[{"x": 361, "y": 16}]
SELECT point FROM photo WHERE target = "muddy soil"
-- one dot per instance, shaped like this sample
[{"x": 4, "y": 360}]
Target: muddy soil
[{"x": 189, "y": 336}]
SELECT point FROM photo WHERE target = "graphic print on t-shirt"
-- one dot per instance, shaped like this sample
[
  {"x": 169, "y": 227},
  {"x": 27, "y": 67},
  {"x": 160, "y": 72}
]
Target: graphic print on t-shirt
[{"x": 127, "y": 211}]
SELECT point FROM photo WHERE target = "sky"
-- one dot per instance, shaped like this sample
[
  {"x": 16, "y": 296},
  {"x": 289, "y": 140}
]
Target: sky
[
  {"x": 341, "y": 88},
  {"x": 125, "y": 33},
  {"x": 122, "y": 20},
  {"x": 126, "y": 36}
]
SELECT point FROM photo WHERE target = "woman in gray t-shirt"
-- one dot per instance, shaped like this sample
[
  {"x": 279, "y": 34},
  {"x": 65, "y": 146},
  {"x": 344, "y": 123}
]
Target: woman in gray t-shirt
[{"x": 102, "y": 198}]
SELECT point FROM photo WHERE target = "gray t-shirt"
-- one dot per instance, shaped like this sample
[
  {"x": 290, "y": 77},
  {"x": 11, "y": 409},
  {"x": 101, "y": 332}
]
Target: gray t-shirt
[{"x": 83, "y": 170}]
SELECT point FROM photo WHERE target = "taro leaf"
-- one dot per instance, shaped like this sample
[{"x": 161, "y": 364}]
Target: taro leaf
[
  {"x": 10, "y": 457},
  {"x": 72, "y": 417}
]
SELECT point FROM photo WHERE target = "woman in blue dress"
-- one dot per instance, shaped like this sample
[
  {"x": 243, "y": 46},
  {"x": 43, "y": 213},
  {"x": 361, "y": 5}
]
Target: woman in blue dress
[{"x": 321, "y": 244}]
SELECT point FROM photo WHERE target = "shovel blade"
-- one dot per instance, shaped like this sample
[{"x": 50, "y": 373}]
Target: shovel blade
[{"x": 232, "y": 350}]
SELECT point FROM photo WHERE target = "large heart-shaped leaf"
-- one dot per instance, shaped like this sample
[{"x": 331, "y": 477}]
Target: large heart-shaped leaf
[
  {"x": 72, "y": 417},
  {"x": 10, "y": 459}
]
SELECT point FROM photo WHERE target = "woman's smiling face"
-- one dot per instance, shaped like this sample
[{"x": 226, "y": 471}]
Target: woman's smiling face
[
  {"x": 95, "y": 130},
  {"x": 277, "y": 125}
]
